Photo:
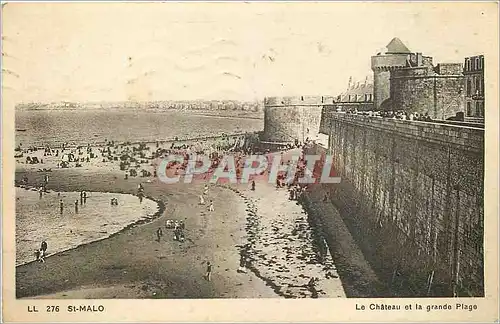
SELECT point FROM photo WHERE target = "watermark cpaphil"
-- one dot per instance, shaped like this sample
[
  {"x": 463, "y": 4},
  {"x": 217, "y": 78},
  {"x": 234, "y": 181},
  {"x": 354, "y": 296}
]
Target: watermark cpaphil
[{"x": 305, "y": 169}]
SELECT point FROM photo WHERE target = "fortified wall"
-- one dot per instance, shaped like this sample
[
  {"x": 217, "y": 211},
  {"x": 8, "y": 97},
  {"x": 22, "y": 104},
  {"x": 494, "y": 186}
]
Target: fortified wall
[
  {"x": 287, "y": 119},
  {"x": 437, "y": 91},
  {"x": 412, "y": 196}
]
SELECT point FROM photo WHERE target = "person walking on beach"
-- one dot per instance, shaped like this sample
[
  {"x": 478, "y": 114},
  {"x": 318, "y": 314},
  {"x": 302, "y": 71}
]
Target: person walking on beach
[
  {"x": 40, "y": 192},
  {"x": 253, "y": 185},
  {"x": 159, "y": 233},
  {"x": 211, "y": 206},
  {"x": 81, "y": 197},
  {"x": 37, "y": 255},
  {"x": 242, "y": 267},
  {"x": 40, "y": 256},
  {"x": 208, "y": 274},
  {"x": 205, "y": 191},
  {"x": 43, "y": 250},
  {"x": 76, "y": 206},
  {"x": 84, "y": 197},
  {"x": 311, "y": 285},
  {"x": 61, "y": 206},
  {"x": 202, "y": 200}
]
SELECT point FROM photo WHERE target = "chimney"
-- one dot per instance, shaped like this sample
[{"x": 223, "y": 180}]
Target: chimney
[
  {"x": 419, "y": 59},
  {"x": 350, "y": 83}
]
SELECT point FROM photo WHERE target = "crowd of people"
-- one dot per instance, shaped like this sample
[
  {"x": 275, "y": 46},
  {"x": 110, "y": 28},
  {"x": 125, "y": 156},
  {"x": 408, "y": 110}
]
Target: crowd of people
[
  {"x": 405, "y": 115},
  {"x": 216, "y": 154},
  {"x": 398, "y": 114},
  {"x": 178, "y": 227}
]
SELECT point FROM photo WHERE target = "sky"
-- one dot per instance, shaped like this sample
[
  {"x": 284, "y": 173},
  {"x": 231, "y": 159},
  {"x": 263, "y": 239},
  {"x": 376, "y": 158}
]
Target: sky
[{"x": 243, "y": 51}]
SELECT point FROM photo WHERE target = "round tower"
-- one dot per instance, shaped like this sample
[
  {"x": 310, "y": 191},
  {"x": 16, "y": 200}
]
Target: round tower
[
  {"x": 394, "y": 56},
  {"x": 287, "y": 119}
]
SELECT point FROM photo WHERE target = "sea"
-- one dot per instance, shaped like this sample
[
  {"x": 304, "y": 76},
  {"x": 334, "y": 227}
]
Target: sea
[
  {"x": 80, "y": 127},
  {"x": 39, "y": 219}
]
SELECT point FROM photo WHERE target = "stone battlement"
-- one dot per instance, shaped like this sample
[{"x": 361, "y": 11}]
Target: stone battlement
[
  {"x": 297, "y": 101},
  {"x": 468, "y": 138},
  {"x": 388, "y": 62}
]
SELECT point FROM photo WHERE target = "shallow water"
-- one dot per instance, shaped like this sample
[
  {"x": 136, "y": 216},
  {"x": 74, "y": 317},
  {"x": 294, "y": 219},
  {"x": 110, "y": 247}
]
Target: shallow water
[{"x": 40, "y": 219}]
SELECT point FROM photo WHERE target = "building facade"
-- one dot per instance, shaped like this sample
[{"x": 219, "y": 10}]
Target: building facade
[{"x": 474, "y": 88}]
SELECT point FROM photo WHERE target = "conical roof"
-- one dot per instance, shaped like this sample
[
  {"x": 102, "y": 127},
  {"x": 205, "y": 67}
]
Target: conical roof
[{"x": 396, "y": 46}]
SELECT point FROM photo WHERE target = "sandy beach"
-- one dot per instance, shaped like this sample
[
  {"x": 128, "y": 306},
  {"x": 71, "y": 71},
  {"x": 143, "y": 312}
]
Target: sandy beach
[
  {"x": 264, "y": 229},
  {"x": 132, "y": 264}
]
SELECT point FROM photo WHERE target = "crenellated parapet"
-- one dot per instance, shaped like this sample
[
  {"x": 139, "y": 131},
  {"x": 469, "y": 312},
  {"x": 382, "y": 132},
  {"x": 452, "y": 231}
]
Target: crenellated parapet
[
  {"x": 388, "y": 62},
  {"x": 297, "y": 101}
]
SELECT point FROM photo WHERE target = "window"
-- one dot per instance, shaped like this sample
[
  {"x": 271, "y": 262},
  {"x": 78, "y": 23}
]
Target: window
[
  {"x": 469, "y": 112},
  {"x": 478, "y": 86},
  {"x": 482, "y": 109},
  {"x": 469, "y": 87},
  {"x": 478, "y": 109}
]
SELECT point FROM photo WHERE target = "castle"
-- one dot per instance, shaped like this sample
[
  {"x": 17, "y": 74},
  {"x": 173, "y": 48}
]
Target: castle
[
  {"x": 402, "y": 81},
  {"x": 410, "y": 82},
  {"x": 417, "y": 217}
]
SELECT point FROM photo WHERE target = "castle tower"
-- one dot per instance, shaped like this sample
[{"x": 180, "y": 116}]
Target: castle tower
[{"x": 393, "y": 56}]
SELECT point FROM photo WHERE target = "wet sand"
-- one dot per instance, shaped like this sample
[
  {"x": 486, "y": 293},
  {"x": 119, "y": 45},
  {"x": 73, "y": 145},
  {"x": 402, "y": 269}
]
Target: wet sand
[
  {"x": 132, "y": 264},
  {"x": 264, "y": 227}
]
